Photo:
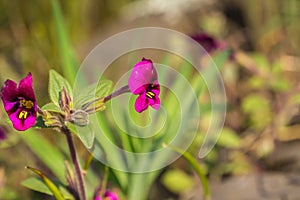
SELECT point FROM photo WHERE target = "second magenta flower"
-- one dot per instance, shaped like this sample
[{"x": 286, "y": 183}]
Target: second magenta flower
[{"x": 144, "y": 82}]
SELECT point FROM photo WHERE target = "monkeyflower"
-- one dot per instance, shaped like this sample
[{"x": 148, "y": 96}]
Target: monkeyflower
[
  {"x": 20, "y": 103},
  {"x": 143, "y": 81}
]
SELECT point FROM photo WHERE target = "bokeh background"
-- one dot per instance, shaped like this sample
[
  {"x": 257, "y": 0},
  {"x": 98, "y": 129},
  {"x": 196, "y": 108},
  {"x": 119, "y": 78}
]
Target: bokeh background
[{"x": 257, "y": 155}]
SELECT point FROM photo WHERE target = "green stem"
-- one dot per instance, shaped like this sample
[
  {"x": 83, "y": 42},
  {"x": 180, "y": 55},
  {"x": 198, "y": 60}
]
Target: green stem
[
  {"x": 78, "y": 172},
  {"x": 104, "y": 182}
]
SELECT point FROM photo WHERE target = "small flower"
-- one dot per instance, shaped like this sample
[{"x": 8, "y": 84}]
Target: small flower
[
  {"x": 143, "y": 81},
  {"x": 20, "y": 103},
  {"x": 209, "y": 43},
  {"x": 107, "y": 196}
]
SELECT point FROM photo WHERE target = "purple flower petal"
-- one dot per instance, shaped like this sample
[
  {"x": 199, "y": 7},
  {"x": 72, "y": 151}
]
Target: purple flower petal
[
  {"x": 107, "y": 196},
  {"x": 9, "y": 91},
  {"x": 26, "y": 88},
  {"x": 22, "y": 124},
  {"x": 143, "y": 73},
  {"x": 156, "y": 104},
  {"x": 206, "y": 41},
  {"x": 10, "y": 106},
  {"x": 111, "y": 195},
  {"x": 141, "y": 104}
]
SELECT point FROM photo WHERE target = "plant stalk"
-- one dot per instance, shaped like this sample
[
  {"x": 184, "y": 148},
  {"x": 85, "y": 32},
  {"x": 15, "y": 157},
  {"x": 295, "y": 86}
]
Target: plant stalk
[
  {"x": 118, "y": 92},
  {"x": 78, "y": 172}
]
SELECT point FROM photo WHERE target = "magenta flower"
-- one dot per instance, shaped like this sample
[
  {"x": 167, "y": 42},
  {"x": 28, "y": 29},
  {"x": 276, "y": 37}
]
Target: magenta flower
[
  {"x": 209, "y": 43},
  {"x": 107, "y": 196},
  {"x": 20, "y": 103},
  {"x": 143, "y": 81}
]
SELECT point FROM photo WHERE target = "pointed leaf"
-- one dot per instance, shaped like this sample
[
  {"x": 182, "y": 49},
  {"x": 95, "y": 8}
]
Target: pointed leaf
[
  {"x": 52, "y": 187},
  {"x": 47, "y": 152},
  {"x": 56, "y": 84},
  {"x": 51, "y": 107},
  {"x": 86, "y": 134},
  {"x": 38, "y": 185},
  {"x": 229, "y": 139},
  {"x": 177, "y": 181}
]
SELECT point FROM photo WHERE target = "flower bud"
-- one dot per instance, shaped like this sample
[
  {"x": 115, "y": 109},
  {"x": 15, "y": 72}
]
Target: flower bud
[
  {"x": 50, "y": 119},
  {"x": 94, "y": 106},
  {"x": 80, "y": 118},
  {"x": 65, "y": 100}
]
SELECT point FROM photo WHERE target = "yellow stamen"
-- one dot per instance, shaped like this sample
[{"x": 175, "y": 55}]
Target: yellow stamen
[
  {"x": 150, "y": 94},
  {"x": 26, "y": 103},
  {"x": 23, "y": 114}
]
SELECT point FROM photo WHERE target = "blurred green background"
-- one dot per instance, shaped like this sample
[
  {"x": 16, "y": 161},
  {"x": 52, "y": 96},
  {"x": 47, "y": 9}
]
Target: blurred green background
[{"x": 261, "y": 132}]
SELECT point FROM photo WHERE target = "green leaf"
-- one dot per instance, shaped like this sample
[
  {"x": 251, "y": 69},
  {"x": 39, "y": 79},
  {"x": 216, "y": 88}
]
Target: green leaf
[
  {"x": 38, "y": 185},
  {"x": 51, "y": 107},
  {"x": 40, "y": 123},
  {"x": 51, "y": 186},
  {"x": 177, "y": 181},
  {"x": 229, "y": 139},
  {"x": 259, "y": 110},
  {"x": 86, "y": 134},
  {"x": 92, "y": 92},
  {"x": 51, "y": 156},
  {"x": 280, "y": 85},
  {"x": 56, "y": 84}
]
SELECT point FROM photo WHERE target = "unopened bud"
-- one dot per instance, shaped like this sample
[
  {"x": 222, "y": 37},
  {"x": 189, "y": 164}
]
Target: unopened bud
[
  {"x": 94, "y": 106},
  {"x": 50, "y": 119},
  {"x": 80, "y": 118},
  {"x": 65, "y": 100}
]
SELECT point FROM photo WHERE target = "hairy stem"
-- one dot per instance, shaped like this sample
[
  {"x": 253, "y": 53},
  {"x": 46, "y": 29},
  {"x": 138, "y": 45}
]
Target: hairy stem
[
  {"x": 78, "y": 172},
  {"x": 118, "y": 92}
]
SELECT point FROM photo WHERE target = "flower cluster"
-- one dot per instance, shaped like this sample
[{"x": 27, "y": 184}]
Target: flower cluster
[{"x": 20, "y": 104}]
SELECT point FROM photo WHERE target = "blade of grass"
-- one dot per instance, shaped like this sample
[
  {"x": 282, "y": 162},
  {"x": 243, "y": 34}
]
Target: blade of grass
[
  {"x": 46, "y": 152},
  {"x": 52, "y": 187},
  {"x": 68, "y": 59}
]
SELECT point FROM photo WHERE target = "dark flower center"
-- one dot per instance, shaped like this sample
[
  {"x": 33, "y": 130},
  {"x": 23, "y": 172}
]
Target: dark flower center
[
  {"x": 26, "y": 103},
  {"x": 150, "y": 94}
]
